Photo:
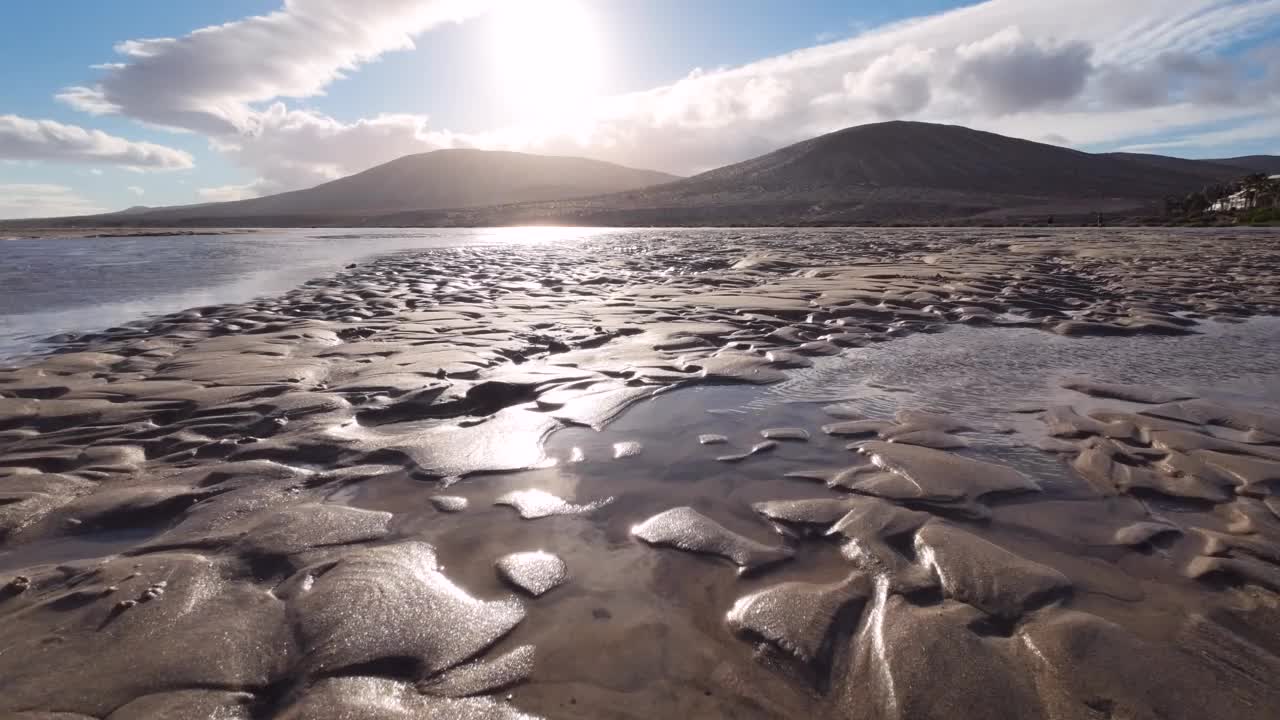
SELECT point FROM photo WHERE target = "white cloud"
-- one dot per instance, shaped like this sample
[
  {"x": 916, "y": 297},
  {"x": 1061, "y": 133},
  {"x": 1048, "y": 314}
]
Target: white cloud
[
  {"x": 1008, "y": 72},
  {"x": 1001, "y": 74},
  {"x": 25, "y": 139},
  {"x": 207, "y": 80},
  {"x": 95, "y": 171},
  {"x": 1261, "y": 128},
  {"x": 136, "y": 190},
  {"x": 296, "y": 148},
  {"x": 896, "y": 84},
  {"x": 1028, "y": 69},
  {"x": 40, "y": 200},
  {"x": 1086, "y": 128},
  {"x": 226, "y": 193},
  {"x": 1087, "y": 72},
  {"x": 1177, "y": 75}
]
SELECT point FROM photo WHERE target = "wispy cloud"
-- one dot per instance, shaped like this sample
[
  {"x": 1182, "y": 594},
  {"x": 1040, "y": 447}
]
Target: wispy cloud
[
  {"x": 207, "y": 81},
  {"x": 298, "y": 148},
  {"x": 227, "y": 193},
  {"x": 136, "y": 190},
  {"x": 26, "y": 139},
  {"x": 40, "y": 200},
  {"x": 1262, "y": 128}
]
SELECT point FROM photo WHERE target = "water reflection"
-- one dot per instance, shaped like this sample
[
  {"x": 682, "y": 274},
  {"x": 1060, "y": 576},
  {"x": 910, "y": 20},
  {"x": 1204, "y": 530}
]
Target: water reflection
[
  {"x": 981, "y": 374},
  {"x": 538, "y": 234},
  {"x": 73, "y": 285}
]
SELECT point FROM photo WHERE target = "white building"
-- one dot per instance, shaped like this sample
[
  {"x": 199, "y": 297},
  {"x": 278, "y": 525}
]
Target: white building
[{"x": 1243, "y": 200}]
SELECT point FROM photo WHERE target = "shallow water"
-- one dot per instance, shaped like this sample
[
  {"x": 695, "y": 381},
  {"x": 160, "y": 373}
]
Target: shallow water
[
  {"x": 53, "y": 286},
  {"x": 979, "y": 371},
  {"x": 664, "y": 610},
  {"x": 982, "y": 376}
]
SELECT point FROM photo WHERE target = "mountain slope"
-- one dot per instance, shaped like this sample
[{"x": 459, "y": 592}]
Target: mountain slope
[
  {"x": 1269, "y": 164},
  {"x": 441, "y": 179},
  {"x": 885, "y": 172},
  {"x": 949, "y": 157},
  {"x": 1212, "y": 171}
]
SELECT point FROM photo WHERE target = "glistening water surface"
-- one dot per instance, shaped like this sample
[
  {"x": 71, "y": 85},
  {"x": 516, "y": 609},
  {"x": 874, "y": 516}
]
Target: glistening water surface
[
  {"x": 52, "y": 286},
  {"x": 995, "y": 380},
  {"x": 320, "y": 485},
  {"x": 647, "y": 624}
]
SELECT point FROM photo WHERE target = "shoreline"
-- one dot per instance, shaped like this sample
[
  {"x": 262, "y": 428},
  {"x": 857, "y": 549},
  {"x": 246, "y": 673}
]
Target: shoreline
[
  {"x": 103, "y": 232},
  {"x": 345, "y": 442},
  {"x": 144, "y": 231},
  {"x": 1118, "y": 225}
]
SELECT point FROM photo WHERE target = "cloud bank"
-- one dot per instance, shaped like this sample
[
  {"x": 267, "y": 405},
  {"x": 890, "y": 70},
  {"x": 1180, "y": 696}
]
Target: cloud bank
[
  {"x": 207, "y": 80},
  {"x": 1029, "y": 69},
  {"x": 26, "y": 139},
  {"x": 1081, "y": 73}
]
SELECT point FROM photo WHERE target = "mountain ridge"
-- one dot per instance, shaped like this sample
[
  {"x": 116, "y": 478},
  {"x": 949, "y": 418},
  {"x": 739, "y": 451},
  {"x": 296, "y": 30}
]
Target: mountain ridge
[
  {"x": 895, "y": 171},
  {"x": 446, "y": 178},
  {"x": 898, "y": 172}
]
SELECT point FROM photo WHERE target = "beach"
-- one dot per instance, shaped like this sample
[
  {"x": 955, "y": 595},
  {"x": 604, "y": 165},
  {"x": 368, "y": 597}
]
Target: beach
[{"x": 915, "y": 473}]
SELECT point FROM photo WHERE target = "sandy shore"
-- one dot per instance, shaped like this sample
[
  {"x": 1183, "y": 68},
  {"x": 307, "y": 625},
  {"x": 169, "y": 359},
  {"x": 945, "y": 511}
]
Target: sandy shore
[{"x": 484, "y": 483}]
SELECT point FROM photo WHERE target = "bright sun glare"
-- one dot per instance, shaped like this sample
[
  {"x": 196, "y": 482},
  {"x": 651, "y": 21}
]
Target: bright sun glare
[{"x": 548, "y": 56}]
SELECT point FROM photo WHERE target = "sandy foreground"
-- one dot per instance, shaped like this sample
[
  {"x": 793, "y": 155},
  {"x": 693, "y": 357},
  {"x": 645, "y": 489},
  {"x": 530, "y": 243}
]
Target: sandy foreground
[{"x": 411, "y": 490}]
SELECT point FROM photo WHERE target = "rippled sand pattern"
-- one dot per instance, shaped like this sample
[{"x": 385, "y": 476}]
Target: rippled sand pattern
[{"x": 911, "y": 474}]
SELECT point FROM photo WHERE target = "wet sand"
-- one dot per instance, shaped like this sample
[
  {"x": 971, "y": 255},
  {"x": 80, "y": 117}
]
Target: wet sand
[{"x": 857, "y": 474}]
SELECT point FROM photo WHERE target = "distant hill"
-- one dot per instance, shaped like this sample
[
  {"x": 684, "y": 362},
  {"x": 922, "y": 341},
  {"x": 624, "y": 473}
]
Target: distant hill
[
  {"x": 944, "y": 157},
  {"x": 456, "y": 178},
  {"x": 892, "y": 172},
  {"x": 1269, "y": 164},
  {"x": 899, "y": 172},
  {"x": 1231, "y": 168}
]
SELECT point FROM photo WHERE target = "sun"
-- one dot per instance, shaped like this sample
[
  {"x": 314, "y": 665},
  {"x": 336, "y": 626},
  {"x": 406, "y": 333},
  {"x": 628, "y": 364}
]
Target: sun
[{"x": 547, "y": 56}]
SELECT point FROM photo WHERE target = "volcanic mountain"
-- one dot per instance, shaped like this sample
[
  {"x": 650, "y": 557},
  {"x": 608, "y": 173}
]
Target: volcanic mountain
[{"x": 891, "y": 172}]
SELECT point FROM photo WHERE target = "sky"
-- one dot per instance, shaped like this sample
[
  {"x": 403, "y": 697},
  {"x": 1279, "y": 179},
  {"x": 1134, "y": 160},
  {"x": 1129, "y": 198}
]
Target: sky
[{"x": 155, "y": 102}]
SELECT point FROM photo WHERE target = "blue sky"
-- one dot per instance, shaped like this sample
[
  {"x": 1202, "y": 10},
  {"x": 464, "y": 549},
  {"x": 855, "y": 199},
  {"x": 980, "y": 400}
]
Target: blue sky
[{"x": 281, "y": 95}]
